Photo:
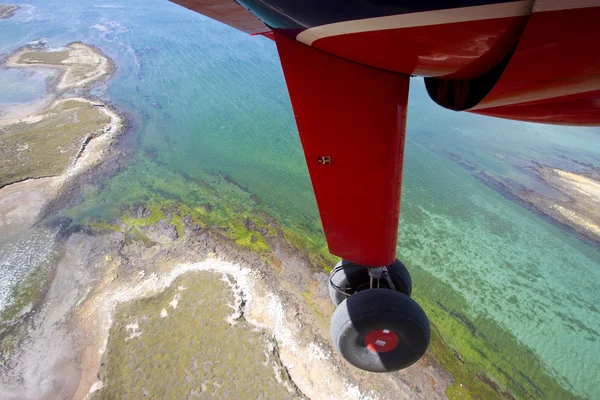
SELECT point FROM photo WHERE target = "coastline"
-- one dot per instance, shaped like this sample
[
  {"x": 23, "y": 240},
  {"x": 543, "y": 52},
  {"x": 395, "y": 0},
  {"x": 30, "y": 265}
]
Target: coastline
[
  {"x": 113, "y": 270},
  {"x": 166, "y": 234},
  {"x": 581, "y": 212},
  {"x": 23, "y": 202},
  {"x": 111, "y": 257},
  {"x": 32, "y": 194}
]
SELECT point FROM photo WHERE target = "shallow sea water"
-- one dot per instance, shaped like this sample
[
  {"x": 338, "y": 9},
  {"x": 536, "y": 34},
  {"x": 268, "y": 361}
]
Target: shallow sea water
[
  {"x": 204, "y": 97},
  {"x": 22, "y": 86}
]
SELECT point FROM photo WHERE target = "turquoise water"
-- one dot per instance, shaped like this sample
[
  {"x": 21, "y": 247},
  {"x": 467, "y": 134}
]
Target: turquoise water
[
  {"x": 204, "y": 98},
  {"x": 22, "y": 86}
]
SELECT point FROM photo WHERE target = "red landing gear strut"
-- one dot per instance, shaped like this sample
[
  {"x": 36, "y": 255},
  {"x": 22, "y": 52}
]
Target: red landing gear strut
[{"x": 352, "y": 120}]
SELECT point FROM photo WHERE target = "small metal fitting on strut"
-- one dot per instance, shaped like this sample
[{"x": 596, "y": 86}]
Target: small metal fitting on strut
[{"x": 377, "y": 273}]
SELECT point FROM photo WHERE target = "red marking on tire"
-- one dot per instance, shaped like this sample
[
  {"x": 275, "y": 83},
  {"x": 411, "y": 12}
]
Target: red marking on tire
[{"x": 381, "y": 341}]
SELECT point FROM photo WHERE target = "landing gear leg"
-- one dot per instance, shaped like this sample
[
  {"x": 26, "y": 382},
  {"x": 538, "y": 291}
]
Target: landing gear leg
[
  {"x": 347, "y": 278},
  {"x": 346, "y": 112}
]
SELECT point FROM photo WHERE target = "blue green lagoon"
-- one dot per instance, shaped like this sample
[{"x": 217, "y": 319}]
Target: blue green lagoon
[{"x": 513, "y": 294}]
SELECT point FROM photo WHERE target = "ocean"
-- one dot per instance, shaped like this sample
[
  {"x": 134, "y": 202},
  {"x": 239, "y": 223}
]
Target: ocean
[{"x": 204, "y": 98}]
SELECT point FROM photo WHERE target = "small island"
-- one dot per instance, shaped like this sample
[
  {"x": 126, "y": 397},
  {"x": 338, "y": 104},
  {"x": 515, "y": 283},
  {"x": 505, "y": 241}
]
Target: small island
[
  {"x": 572, "y": 203},
  {"x": 580, "y": 210},
  {"x": 81, "y": 64},
  {"x": 41, "y": 151},
  {"x": 7, "y": 10}
]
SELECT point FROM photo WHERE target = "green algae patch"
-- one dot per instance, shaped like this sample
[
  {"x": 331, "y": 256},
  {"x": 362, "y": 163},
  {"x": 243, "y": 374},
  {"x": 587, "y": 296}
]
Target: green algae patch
[
  {"x": 251, "y": 240},
  {"x": 151, "y": 215},
  {"x": 49, "y": 145},
  {"x": 180, "y": 201},
  {"x": 179, "y": 344},
  {"x": 313, "y": 245},
  {"x": 101, "y": 227},
  {"x": 485, "y": 360},
  {"x": 135, "y": 235},
  {"x": 177, "y": 222},
  {"x": 132, "y": 234}
]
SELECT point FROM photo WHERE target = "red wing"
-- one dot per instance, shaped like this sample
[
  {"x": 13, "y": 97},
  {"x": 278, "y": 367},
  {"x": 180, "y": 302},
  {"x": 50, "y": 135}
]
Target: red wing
[
  {"x": 352, "y": 120},
  {"x": 228, "y": 12}
]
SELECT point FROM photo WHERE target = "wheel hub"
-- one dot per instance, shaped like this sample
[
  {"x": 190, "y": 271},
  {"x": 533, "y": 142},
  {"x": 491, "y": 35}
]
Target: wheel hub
[{"x": 381, "y": 341}]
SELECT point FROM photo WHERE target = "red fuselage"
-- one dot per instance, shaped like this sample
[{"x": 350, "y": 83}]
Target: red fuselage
[{"x": 530, "y": 60}]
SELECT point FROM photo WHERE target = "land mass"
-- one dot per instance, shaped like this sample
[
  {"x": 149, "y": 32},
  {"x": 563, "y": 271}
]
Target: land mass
[
  {"x": 65, "y": 139},
  {"x": 581, "y": 210},
  {"x": 164, "y": 305},
  {"x": 7, "y": 10},
  {"x": 575, "y": 208},
  {"x": 81, "y": 64}
]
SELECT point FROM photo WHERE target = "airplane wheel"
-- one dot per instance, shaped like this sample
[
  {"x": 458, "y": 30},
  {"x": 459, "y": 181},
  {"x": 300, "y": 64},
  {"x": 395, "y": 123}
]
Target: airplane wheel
[
  {"x": 347, "y": 278},
  {"x": 380, "y": 330}
]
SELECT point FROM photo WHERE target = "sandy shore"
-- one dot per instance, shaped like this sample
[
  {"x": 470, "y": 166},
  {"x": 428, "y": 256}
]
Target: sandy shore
[
  {"x": 581, "y": 212},
  {"x": 573, "y": 206},
  {"x": 576, "y": 209}
]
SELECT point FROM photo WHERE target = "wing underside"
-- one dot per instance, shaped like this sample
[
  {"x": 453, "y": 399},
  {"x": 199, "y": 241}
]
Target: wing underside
[{"x": 228, "y": 12}]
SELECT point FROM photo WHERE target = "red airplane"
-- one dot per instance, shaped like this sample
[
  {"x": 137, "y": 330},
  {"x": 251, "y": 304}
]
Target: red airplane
[{"x": 347, "y": 64}]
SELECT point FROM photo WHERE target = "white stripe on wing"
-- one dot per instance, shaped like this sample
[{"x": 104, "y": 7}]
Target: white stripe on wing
[
  {"x": 556, "y": 5},
  {"x": 438, "y": 17}
]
